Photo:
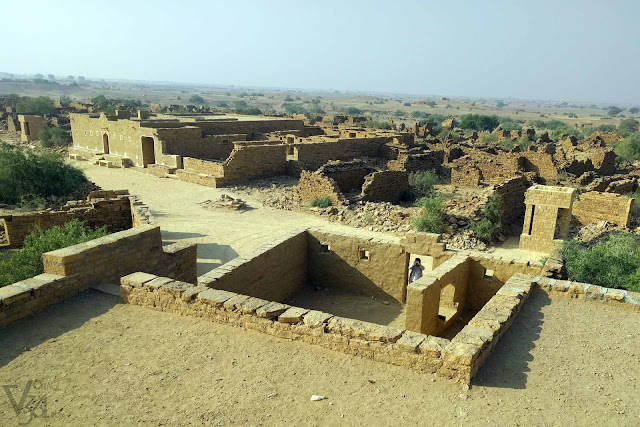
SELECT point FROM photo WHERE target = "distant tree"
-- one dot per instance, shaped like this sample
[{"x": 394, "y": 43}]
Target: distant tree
[
  {"x": 399, "y": 113},
  {"x": 500, "y": 103},
  {"x": 38, "y": 76},
  {"x": 39, "y": 105},
  {"x": 288, "y": 99},
  {"x": 65, "y": 100},
  {"x": 70, "y": 77},
  {"x": 81, "y": 78},
  {"x": 222, "y": 104},
  {"x": 291, "y": 108},
  {"x": 51, "y": 77},
  {"x": 634, "y": 110},
  {"x": 350, "y": 110},
  {"x": 196, "y": 99},
  {"x": 432, "y": 104},
  {"x": 572, "y": 115},
  {"x": 479, "y": 122},
  {"x": 614, "y": 111},
  {"x": 629, "y": 125}
]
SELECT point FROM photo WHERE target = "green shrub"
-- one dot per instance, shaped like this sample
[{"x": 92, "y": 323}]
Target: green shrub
[
  {"x": 478, "y": 122},
  {"x": 432, "y": 218},
  {"x": 557, "y": 133},
  {"x": 547, "y": 125},
  {"x": 350, "y": 110},
  {"x": 572, "y": 115},
  {"x": 54, "y": 137},
  {"x": 635, "y": 209},
  {"x": 375, "y": 124},
  {"x": 38, "y": 105},
  {"x": 35, "y": 173},
  {"x": 488, "y": 138},
  {"x": 508, "y": 124},
  {"x": 290, "y": 108},
  {"x": 197, "y": 99},
  {"x": 449, "y": 134},
  {"x": 523, "y": 143},
  {"x": 322, "y": 202},
  {"x": 613, "y": 262},
  {"x": 27, "y": 262},
  {"x": 629, "y": 148},
  {"x": 628, "y": 126},
  {"x": 490, "y": 223},
  {"x": 423, "y": 182}
]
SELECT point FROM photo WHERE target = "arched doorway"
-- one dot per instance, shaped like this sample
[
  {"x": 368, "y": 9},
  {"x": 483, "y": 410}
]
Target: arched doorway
[{"x": 105, "y": 143}]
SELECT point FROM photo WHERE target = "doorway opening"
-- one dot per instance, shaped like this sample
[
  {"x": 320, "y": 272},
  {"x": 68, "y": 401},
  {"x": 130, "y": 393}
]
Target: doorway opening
[
  {"x": 148, "y": 151},
  {"x": 105, "y": 143}
]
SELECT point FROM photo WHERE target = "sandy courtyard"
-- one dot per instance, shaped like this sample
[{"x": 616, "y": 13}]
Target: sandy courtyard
[{"x": 101, "y": 362}]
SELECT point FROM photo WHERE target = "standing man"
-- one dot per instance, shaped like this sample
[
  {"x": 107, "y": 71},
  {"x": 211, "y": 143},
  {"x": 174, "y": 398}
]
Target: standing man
[{"x": 415, "y": 271}]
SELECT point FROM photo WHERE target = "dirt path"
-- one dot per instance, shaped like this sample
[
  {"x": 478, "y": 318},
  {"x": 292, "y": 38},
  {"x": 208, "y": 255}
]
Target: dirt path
[
  {"x": 563, "y": 362},
  {"x": 221, "y": 234}
]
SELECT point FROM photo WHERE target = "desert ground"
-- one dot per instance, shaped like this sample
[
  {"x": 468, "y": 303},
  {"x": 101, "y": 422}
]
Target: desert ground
[{"x": 563, "y": 362}]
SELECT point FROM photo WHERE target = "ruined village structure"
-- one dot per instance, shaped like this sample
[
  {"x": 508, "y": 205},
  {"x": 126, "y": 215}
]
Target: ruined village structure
[{"x": 450, "y": 319}]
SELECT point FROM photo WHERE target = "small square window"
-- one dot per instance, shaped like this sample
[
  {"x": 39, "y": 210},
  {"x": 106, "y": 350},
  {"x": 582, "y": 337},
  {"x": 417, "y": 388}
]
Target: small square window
[
  {"x": 324, "y": 247},
  {"x": 364, "y": 255},
  {"x": 488, "y": 274}
]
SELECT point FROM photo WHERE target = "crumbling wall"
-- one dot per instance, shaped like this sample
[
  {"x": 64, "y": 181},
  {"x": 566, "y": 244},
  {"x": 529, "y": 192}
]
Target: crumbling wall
[
  {"x": 511, "y": 195},
  {"x": 314, "y": 185},
  {"x": 30, "y": 126},
  {"x": 385, "y": 186},
  {"x": 74, "y": 269},
  {"x": 273, "y": 271},
  {"x": 258, "y": 125},
  {"x": 416, "y": 162},
  {"x": 203, "y": 166},
  {"x": 255, "y": 161},
  {"x": 374, "y": 266},
  {"x": 114, "y": 212},
  {"x": 594, "y": 207},
  {"x": 466, "y": 175},
  {"x": 312, "y": 155}
]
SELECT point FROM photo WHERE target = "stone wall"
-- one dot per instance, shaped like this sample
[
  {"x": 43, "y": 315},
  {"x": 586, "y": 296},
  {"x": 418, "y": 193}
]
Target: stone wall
[
  {"x": 594, "y": 207},
  {"x": 385, "y": 186},
  {"x": 74, "y": 269},
  {"x": 110, "y": 209},
  {"x": 255, "y": 161},
  {"x": 312, "y": 155},
  {"x": 458, "y": 359},
  {"x": 273, "y": 271},
  {"x": 416, "y": 162},
  {"x": 511, "y": 195},
  {"x": 313, "y": 185},
  {"x": 466, "y": 175},
  {"x": 203, "y": 166},
  {"x": 346, "y": 261}
]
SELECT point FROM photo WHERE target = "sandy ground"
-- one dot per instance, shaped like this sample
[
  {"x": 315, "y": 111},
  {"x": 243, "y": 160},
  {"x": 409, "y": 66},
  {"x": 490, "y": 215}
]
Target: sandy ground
[
  {"x": 99, "y": 362},
  {"x": 221, "y": 234}
]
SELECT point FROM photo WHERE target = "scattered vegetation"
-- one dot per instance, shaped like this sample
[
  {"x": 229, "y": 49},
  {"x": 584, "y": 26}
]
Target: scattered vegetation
[
  {"x": 291, "y": 108},
  {"x": 613, "y": 261},
  {"x": 109, "y": 106},
  {"x": 478, "y": 122},
  {"x": 523, "y": 143},
  {"x": 54, "y": 137},
  {"x": 488, "y": 138},
  {"x": 629, "y": 148},
  {"x": 489, "y": 225},
  {"x": 423, "y": 182},
  {"x": 321, "y": 202},
  {"x": 27, "y": 262},
  {"x": 432, "y": 218},
  {"x": 350, "y": 110},
  {"x": 27, "y": 174},
  {"x": 38, "y": 105},
  {"x": 375, "y": 124}
]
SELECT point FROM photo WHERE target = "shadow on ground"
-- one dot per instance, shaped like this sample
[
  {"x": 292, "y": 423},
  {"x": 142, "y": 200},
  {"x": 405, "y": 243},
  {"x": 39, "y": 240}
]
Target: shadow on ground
[
  {"x": 56, "y": 320},
  {"x": 213, "y": 255},
  {"x": 507, "y": 366}
]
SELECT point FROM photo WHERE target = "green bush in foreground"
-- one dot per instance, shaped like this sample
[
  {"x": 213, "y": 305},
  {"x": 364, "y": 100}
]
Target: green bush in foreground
[
  {"x": 490, "y": 223},
  {"x": 27, "y": 262},
  {"x": 29, "y": 174},
  {"x": 613, "y": 262},
  {"x": 321, "y": 202},
  {"x": 432, "y": 218}
]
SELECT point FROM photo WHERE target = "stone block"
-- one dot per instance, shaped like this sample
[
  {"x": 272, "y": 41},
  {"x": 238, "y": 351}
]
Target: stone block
[
  {"x": 272, "y": 310},
  {"x": 292, "y": 315}
]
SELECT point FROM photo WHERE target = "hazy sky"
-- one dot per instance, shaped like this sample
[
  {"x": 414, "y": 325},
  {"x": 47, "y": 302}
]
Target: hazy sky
[{"x": 581, "y": 50}]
